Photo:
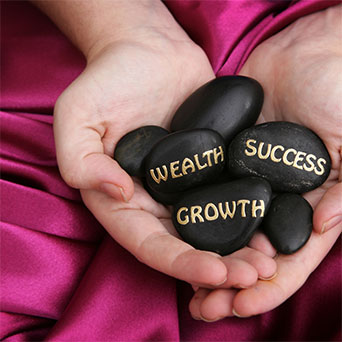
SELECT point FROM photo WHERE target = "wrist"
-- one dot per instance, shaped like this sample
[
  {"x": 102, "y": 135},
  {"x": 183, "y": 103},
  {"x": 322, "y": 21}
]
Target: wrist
[{"x": 93, "y": 25}]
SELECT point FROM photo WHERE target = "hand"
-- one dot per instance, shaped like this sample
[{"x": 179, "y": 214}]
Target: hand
[
  {"x": 300, "y": 70},
  {"x": 131, "y": 82}
]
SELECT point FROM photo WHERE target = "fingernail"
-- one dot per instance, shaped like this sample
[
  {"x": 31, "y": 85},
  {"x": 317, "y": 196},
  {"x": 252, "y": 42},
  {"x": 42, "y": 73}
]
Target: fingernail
[
  {"x": 124, "y": 197},
  {"x": 239, "y": 286},
  {"x": 238, "y": 315},
  {"x": 331, "y": 223},
  {"x": 196, "y": 318},
  {"x": 114, "y": 191},
  {"x": 195, "y": 288},
  {"x": 211, "y": 320},
  {"x": 221, "y": 283},
  {"x": 270, "y": 278}
]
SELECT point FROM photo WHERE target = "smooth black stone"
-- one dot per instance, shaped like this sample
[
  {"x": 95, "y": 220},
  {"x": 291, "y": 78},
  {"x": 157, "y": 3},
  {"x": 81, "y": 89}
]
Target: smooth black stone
[
  {"x": 226, "y": 104},
  {"x": 288, "y": 223},
  {"x": 213, "y": 231},
  {"x": 183, "y": 152},
  {"x": 309, "y": 158},
  {"x": 133, "y": 147},
  {"x": 163, "y": 197},
  {"x": 170, "y": 198}
]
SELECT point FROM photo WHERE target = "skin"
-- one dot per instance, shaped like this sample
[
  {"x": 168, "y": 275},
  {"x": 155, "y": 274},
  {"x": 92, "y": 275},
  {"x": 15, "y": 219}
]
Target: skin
[{"x": 138, "y": 75}]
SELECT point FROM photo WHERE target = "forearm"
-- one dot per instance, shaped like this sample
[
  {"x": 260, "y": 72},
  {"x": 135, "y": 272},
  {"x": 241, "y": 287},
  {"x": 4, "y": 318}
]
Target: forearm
[{"x": 91, "y": 24}]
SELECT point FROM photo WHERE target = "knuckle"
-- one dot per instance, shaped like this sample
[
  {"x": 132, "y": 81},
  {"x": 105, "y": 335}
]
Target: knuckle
[{"x": 71, "y": 176}]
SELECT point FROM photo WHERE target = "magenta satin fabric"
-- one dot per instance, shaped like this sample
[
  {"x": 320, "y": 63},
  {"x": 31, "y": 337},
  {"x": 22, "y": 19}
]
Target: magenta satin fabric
[{"x": 62, "y": 277}]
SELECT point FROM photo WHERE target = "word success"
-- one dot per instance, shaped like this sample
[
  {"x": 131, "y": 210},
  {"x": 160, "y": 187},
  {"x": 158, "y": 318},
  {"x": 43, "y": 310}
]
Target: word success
[
  {"x": 179, "y": 168},
  {"x": 291, "y": 157},
  {"x": 224, "y": 210}
]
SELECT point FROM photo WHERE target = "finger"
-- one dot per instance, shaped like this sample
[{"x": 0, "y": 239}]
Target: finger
[
  {"x": 261, "y": 243},
  {"x": 141, "y": 233},
  {"x": 265, "y": 266},
  {"x": 244, "y": 267},
  {"x": 196, "y": 301},
  {"x": 217, "y": 305},
  {"x": 81, "y": 157},
  {"x": 293, "y": 270},
  {"x": 240, "y": 274},
  {"x": 328, "y": 213}
]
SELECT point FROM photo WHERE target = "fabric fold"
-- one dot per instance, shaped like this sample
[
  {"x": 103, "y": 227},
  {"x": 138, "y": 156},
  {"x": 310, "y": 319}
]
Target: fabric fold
[
  {"x": 119, "y": 299},
  {"x": 39, "y": 272},
  {"x": 20, "y": 328}
]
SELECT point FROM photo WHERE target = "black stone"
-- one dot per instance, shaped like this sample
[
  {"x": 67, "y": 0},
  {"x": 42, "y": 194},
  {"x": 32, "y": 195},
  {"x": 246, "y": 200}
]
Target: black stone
[
  {"x": 133, "y": 147},
  {"x": 166, "y": 198},
  {"x": 284, "y": 143},
  {"x": 170, "y": 198},
  {"x": 226, "y": 104},
  {"x": 213, "y": 229},
  {"x": 185, "y": 159},
  {"x": 288, "y": 223}
]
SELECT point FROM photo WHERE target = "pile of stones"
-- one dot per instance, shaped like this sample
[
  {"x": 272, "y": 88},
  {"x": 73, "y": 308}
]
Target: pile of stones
[{"x": 225, "y": 176}]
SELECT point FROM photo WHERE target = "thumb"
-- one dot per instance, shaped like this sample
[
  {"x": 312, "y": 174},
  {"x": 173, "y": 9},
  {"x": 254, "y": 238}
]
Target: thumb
[
  {"x": 328, "y": 213},
  {"x": 83, "y": 163}
]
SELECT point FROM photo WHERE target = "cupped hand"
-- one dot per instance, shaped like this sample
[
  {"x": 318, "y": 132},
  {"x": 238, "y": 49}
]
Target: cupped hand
[
  {"x": 127, "y": 84},
  {"x": 300, "y": 71}
]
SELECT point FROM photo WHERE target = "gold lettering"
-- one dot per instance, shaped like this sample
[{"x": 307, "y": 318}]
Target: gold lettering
[
  {"x": 320, "y": 171},
  {"x": 195, "y": 211},
  {"x": 253, "y": 149},
  {"x": 261, "y": 145},
  {"x": 212, "y": 212},
  {"x": 173, "y": 168},
  {"x": 311, "y": 163},
  {"x": 274, "y": 149},
  {"x": 217, "y": 154},
  {"x": 199, "y": 166},
  {"x": 227, "y": 211},
  {"x": 160, "y": 175},
  {"x": 187, "y": 164},
  {"x": 206, "y": 212},
  {"x": 299, "y": 157},
  {"x": 243, "y": 203},
  {"x": 186, "y": 217},
  {"x": 287, "y": 152},
  {"x": 255, "y": 208},
  {"x": 207, "y": 154}
]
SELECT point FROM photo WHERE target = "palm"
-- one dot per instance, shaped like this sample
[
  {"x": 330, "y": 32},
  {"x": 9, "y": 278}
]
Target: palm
[
  {"x": 318, "y": 107},
  {"x": 315, "y": 100},
  {"x": 124, "y": 87},
  {"x": 130, "y": 85}
]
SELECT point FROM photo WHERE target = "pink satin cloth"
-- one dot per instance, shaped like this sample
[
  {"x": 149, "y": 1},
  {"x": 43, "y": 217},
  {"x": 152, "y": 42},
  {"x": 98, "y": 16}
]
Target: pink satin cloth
[{"x": 62, "y": 277}]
